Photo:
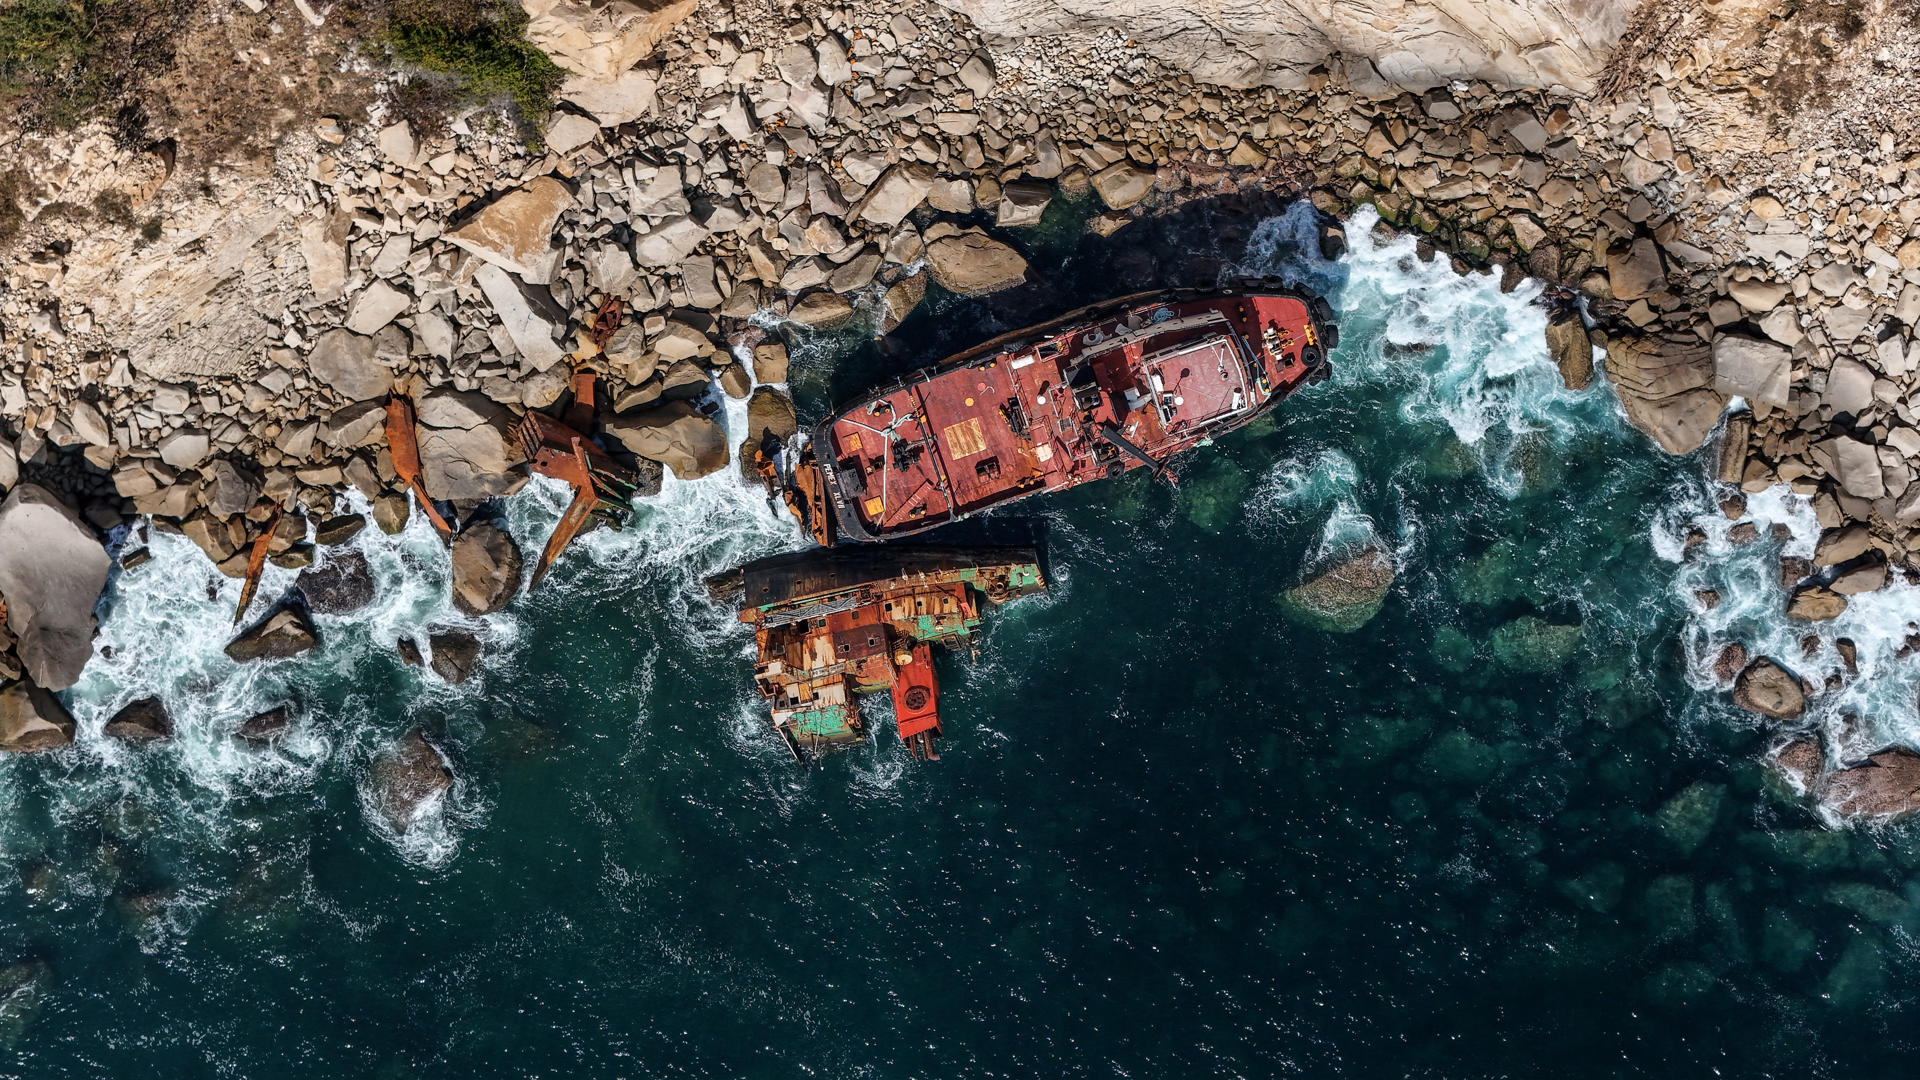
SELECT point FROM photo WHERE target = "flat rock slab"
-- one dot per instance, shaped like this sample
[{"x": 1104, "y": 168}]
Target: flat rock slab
[
  {"x": 515, "y": 232},
  {"x": 286, "y": 634},
  {"x": 52, "y": 570}
]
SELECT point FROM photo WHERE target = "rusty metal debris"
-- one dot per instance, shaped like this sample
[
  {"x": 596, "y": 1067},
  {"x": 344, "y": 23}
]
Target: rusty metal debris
[
  {"x": 831, "y": 624},
  {"x": 256, "y": 562},
  {"x": 562, "y": 449},
  {"x": 405, "y": 448}
]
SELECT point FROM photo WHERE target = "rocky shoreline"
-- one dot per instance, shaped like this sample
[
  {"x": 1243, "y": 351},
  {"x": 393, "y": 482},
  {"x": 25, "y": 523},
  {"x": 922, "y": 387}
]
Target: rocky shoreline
[{"x": 722, "y": 175}]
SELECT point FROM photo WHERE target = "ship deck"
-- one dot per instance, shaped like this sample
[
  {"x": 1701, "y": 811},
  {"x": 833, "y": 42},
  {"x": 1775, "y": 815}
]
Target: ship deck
[{"x": 1158, "y": 376}]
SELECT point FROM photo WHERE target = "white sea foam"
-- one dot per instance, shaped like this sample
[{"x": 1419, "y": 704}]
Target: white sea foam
[{"x": 165, "y": 625}]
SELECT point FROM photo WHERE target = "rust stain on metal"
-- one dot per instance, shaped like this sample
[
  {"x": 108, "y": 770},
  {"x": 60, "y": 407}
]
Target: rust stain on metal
[
  {"x": 405, "y": 448},
  {"x": 256, "y": 562},
  {"x": 562, "y": 450},
  {"x": 831, "y": 625}
]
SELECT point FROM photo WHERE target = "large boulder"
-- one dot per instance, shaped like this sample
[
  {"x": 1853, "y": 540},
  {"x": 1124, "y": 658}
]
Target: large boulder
[
  {"x": 1770, "y": 690},
  {"x": 340, "y": 586},
  {"x": 1123, "y": 184},
  {"x": 1265, "y": 42},
  {"x": 675, "y": 435},
  {"x": 1753, "y": 368},
  {"x": 527, "y": 313},
  {"x": 31, "y": 719},
  {"x": 230, "y": 489},
  {"x": 456, "y": 654},
  {"x": 1801, "y": 762},
  {"x": 346, "y": 362},
  {"x": 285, "y": 634},
  {"x": 895, "y": 195},
  {"x": 144, "y": 720},
  {"x": 408, "y": 779},
  {"x": 769, "y": 411},
  {"x": 52, "y": 569},
  {"x": 601, "y": 41},
  {"x": 1815, "y": 603},
  {"x": 1636, "y": 271},
  {"x": 1665, "y": 388},
  {"x": 974, "y": 264},
  {"x": 1886, "y": 785},
  {"x": 1342, "y": 598},
  {"x": 467, "y": 448},
  {"x": 1572, "y": 352},
  {"x": 515, "y": 231},
  {"x": 486, "y": 569}
]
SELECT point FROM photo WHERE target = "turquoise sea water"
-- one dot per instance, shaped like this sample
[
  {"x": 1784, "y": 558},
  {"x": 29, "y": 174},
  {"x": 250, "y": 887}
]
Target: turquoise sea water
[{"x": 1507, "y": 828}]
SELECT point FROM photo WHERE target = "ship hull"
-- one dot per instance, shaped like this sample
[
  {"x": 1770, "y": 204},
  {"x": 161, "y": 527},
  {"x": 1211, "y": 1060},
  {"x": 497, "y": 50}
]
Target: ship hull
[{"x": 1125, "y": 384}]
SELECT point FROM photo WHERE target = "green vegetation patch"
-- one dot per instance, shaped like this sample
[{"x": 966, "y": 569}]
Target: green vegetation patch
[{"x": 480, "y": 46}]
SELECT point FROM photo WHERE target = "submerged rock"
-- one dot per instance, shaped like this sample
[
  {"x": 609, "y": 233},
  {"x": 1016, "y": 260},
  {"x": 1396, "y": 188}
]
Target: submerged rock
[
  {"x": 140, "y": 721},
  {"x": 23, "y": 986},
  {"x": 1765, "y": 687},
  {"x": 407, "y": 778},
  {"x": 52, "y": 570},
  {"x": 1343, "y": 598},
  {"x": 1534, "y": 646},
  {"x": 340, "y": 587},
  {"x": 1688, "y": 818},
  {"x": 286, "y": 634},
  {"x": 486, "y": 569},
  {"x": 31, "y": 719}
]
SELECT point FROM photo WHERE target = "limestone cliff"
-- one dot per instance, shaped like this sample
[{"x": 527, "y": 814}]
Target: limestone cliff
[{"x": 1555, "y": 44}]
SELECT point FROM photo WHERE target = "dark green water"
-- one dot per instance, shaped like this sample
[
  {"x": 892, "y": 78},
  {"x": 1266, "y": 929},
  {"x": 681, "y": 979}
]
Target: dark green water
[{"x": 1173, "y": 834}]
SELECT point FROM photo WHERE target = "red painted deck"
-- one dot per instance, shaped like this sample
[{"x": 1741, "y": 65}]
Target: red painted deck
[{"x": 1008, "y": 423}]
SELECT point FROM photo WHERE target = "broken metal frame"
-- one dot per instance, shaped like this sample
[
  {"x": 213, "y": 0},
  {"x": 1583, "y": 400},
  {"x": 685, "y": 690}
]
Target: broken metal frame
[
  {"x": 404, "y": 446},
  {"x": 560, "y": 449}
]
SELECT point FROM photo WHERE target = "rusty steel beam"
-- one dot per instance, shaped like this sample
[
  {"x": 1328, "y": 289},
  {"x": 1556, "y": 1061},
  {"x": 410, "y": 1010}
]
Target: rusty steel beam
[
  {"x": 405, "y": 448},
  {"x": 256, "y": 562}
]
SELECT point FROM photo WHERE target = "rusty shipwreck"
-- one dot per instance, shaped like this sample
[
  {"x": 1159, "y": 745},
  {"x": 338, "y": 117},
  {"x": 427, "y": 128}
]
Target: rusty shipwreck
[
  {"x": 1125, "y": 384},
  {"x": 832, "y": 625}
]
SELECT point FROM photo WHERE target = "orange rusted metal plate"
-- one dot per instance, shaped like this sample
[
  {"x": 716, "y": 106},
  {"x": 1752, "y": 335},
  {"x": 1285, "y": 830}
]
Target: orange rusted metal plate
[
  {"x": 405, "y": 450},
  {"x": 256, "y": 562}
]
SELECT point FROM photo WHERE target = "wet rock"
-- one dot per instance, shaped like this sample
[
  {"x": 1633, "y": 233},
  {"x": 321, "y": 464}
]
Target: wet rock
[
  {"x": 32, "y": 719},
  {"x": 1765, "y": 687},
  {"x": 1708, "y": 599},
  {"x": 1862, "y": 578},
  {"x": 334, "y": 531},
  {"x": 456, "y": 654},
  {"x": 1841, "y": 545},
  {"x": 1572, "y": 352},
  {"x": 1742, "y": 534},
  {"x": 1800, "y": 761},
  {"x": 1793, "y": 570},
  {"x": 676, "y": 435},
  {"x": 769, "y": 413},
  {"x": 1731, "y": 661},
  {"x": 340, "y": 586},
  {"x": 409, "y": 650},
  {"x": 1886, "y": 785},
  {"x": 408, "y": 780},
  {"x": 1344, "y": 597},
  {"x": 1532, "y": 645},
  {"x": 52, "y": 570},
  {"x": 822, "y": 310},
  {"x": 1815, "y": 603},
  {"x": 486, "y": 569},
  {"x": 140, "y": 721},
  {"x": 974, "y": 264},
  {"x": 770, "y": 363},
  {"x": 265, "y": 727},
  {"x": 285, "y": 634},
  {"x": 390, "y": 513}
]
